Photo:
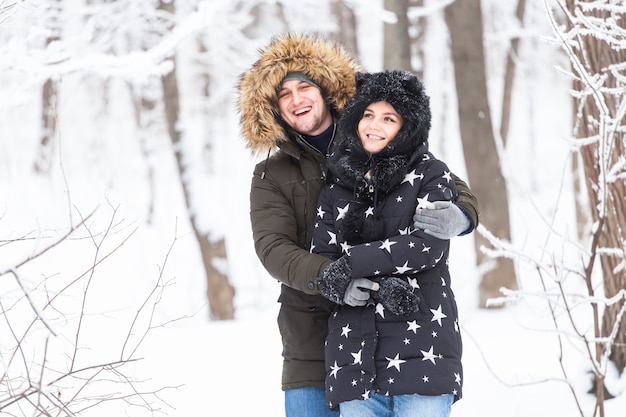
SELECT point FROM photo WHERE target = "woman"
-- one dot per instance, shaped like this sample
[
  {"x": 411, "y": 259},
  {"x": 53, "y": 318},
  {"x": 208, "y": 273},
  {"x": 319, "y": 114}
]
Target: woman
[{"x": 399, "y": 351}]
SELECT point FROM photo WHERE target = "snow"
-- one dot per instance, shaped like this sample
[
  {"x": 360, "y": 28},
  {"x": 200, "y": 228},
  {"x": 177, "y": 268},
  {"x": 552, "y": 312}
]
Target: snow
[{"x": 147, "y": 257}]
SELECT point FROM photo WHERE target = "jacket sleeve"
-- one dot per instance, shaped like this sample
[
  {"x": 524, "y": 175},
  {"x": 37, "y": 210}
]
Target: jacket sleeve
[
  {"x": 275, "y": 235},
  {"x": 467, "y": 201}
]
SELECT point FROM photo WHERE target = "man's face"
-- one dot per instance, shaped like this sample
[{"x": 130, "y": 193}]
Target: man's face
[{"x": 303, "y": 108}]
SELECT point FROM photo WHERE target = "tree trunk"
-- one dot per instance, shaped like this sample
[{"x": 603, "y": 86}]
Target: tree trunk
[
  {"x": 509, "y": 75},
  {"x": 464, "y": 20},
  {"x": 594, "y": 117},
  {"x": 144, "y": 108},
  {"x": 219, "y": 291},
  {"x": 417, "y": 31},
  {"x": 49, "y": 96},
  {"x": 346, "y": 20},
  {"x": 48, "y": 127},
  {"x": 397, "y": 43}
]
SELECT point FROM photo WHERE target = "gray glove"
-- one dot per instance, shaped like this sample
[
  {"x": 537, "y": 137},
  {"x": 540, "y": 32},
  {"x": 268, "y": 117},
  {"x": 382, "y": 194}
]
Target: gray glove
[
  {"x": 358, "y": 292},
  {"x": 397, "y": 296},
  {"x": 337, "y": 285},
  {"x": 444, "y": 221}
]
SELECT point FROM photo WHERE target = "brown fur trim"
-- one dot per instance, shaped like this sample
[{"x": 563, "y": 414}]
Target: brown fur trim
[{"x": 325, "y": 62}]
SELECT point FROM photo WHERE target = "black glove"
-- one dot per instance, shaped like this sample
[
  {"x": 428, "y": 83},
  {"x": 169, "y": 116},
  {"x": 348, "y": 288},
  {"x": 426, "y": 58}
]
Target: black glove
[
  {"x": 396, "y": 295},
  {"x": 334, "y": 280}
]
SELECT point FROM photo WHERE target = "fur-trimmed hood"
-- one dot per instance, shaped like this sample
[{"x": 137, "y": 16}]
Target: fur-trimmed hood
[{"x": 327, "y": 64}]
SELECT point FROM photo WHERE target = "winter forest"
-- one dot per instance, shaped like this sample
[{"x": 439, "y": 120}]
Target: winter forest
[{"x": 129, "y": 284}]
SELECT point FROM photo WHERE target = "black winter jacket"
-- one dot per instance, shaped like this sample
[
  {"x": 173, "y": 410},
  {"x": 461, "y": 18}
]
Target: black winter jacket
[{"x": 369, "y": 349}]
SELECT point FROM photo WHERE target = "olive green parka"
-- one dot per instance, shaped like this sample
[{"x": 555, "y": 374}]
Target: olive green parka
[{"x": 285, "y": 189}]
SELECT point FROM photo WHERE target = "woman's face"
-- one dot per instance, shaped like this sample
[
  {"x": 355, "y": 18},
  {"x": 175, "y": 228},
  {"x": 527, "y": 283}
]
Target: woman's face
[{"x": 378, "y": 126}]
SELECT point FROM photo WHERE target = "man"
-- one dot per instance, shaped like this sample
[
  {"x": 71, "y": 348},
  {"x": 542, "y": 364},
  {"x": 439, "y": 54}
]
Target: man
[{"x": 289, "y": 102}]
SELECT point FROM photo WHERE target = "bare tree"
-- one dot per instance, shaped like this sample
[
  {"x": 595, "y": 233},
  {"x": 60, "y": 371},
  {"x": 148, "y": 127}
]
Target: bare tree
[
  {"x": 47, "y": 364},
  {"x": 219, "y": 291},
  {"x": 593, "y": 38},
  {"x": 588, "y": 323},
  {"x": 465, "y": 25}
]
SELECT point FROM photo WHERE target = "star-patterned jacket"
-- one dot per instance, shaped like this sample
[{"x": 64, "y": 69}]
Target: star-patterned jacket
[{"x": 369, "y": 349}]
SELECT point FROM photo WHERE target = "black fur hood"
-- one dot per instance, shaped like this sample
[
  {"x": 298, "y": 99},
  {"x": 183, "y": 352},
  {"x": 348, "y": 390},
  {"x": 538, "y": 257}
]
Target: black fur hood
[
  {"x": 405, "y": 92},
  {"x": 350, "y": 162}
]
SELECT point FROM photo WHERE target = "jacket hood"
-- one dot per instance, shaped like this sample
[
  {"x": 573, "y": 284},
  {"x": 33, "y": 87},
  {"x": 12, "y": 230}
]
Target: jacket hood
[
  {"x": 405, "y": 92},
  {"x": 326, "y": 63}
]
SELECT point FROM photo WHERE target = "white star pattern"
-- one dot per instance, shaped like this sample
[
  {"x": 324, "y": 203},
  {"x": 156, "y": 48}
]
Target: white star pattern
[
  {"x": 438, "y": 259},
  {"x": 333, "y": 238},
  {"x": 334, "y": 369},
  {"x": 380, "y": 310},
  {"x": 410, "y": 177},
  {"x": 413, "y": 326},
  {"x": 369, "y": 212},
  {"x": 342, "y": 212},
  {"x": 447, "y": 176},
  {"x": 425, "y": 248},
  {"x": 320, "y": 212},
  {"x": 429, "y": 356},
  {"x": 437, "y": 315},
  {"x": 413, "y": 283},
  {"x": 400, "y": 270},
  {"x": 423, "y": 202},
  {"x": 387, "y": 245},
  {"x": 345, "y": 330},
  {"x": 395, "y": 362},
  {"x": 399, "y": 199},
  {"x": 357, "y": 357},
  {"x": 457, "y": 378},
  {"x": 345, "y": 247}
]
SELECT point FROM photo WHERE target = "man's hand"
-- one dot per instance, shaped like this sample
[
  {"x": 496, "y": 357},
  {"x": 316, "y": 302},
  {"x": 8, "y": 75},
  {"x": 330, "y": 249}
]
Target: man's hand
[
  {"x": 358, "y": 292},
  {"x": 444, "y": 220}
]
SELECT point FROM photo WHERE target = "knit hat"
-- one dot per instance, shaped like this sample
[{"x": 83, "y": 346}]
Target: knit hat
[
  {"x": 300, "y": 76},
  {"x": 405, "y": 92}
]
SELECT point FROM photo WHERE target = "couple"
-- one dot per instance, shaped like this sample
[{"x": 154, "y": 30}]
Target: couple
[{"x": 337, "y": 212}]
